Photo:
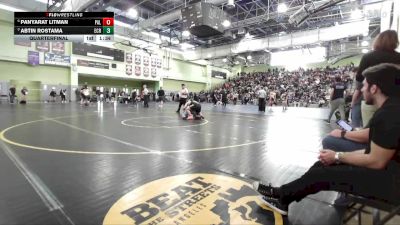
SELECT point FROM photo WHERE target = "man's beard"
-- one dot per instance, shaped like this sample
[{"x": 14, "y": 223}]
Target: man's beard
[{"x": 369, "y": 101}]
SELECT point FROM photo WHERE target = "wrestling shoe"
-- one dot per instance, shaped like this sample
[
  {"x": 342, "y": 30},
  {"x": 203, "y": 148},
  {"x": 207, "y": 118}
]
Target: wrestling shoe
[
  {"x": 275, "y": 205},
  {"x": 265, "y": 190}
]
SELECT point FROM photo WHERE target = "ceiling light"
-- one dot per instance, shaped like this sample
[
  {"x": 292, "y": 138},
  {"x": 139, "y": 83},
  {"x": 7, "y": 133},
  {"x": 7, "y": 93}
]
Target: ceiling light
[
  {"x": 364, "y": 50},
  {"x": 231, "y": 3},
  {"x": 282, "y": 8},
  {"x": 226, "y": 23},
  {"x": 249, "y": 57},
  {"x": 356, "y": 14},
  {"x": 224, "y": 60},
  {"x": 132, "y": 12},
  {"x": 364, "y": 43},
  {"x": 186, "y": 33}
]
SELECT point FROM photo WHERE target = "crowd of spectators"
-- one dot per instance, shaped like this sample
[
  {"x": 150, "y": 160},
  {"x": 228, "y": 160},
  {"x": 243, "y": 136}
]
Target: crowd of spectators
[{"x": 302, "y": 87}]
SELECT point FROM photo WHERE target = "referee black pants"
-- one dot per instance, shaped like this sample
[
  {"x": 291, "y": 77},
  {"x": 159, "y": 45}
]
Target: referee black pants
[
  {"x": 182, "y": 101},
  {"x": 146, "y": 101},
  {"x": 376, "y": 184},
  {"x": 261, "y": 104}
]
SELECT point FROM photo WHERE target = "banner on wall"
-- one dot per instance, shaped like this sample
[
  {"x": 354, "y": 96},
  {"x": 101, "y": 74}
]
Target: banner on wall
[
  {"x": 153, "y": 62},
  {"x": 138, "y": 59},
  {"x": 43, "y": 46},
  {"x": 128, "y": 70},
  {"x": 158, "y": 63},
  {"x": 129, "y": 58},
  {"x": 23, "y": 43},
  {"x": 153, "y": 72},
  {"x": 93, "y": 64},
  {"x": 138, "y": 71},
  {"x": 58, "y": 48},
  {"x": 146, "y": 71},
  {"x": 218, "y": 74},
  {"x": 145, "y": 60},
  {"x": 33, "y": 58},
  {"x": 54, "y": 59}
]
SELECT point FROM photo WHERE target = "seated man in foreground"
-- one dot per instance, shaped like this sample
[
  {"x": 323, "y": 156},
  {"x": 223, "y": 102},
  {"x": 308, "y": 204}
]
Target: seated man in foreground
[
  {"x": 192, "y": 110},
  {"x": 373, "y": 172}
]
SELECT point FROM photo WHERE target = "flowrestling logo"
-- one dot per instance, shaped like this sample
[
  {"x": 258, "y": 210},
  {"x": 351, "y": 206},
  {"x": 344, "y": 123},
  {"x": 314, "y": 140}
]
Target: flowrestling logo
[{"x": 192, "y": 199}]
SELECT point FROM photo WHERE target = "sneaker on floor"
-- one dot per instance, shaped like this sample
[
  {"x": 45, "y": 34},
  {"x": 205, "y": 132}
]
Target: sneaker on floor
[
  {"x": 274, "y": 204},
  {"x": 342, "y": 200},
  {"x": 266, "y": 190}
]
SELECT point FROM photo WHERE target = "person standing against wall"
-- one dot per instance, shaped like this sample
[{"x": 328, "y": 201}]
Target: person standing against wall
[
  {"x": 146, "y": 96},
  {"x": 338, "y": 90},
  {"x": 161, "y": 96},
  {"x": 133, "y": 96},
  {"x": 24, "y": 93},
  {"x": 12, "y": 94},
  {"x": 183, "y": 95},
  {"x": 63, "y": 94}
]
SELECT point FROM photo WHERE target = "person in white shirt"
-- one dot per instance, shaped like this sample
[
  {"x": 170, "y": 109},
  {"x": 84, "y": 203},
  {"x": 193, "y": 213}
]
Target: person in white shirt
[
  {"x": 146, "y": 96},
  {"x": 183, "y": 95},
  {"x": 262, "y": 94}
]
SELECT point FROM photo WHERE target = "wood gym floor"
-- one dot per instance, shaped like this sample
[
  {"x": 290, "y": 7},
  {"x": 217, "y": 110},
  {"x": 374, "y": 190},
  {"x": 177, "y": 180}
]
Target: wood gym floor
[{"x": 124, "y": 164}]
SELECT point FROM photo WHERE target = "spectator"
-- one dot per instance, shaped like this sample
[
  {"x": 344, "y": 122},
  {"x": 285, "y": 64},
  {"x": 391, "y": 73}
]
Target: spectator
[
  {"x": 24, "y": 93},
  {"x": 373, "y": 172},
  {"x": 53, "y": 94},
  {"x": 161, "y": 96},
  {"x": 146, "y": 96},
  {"x": 12, "y": 94},
  {"x": 63, "y": 93},
  {"x": 384, "y": 48}
]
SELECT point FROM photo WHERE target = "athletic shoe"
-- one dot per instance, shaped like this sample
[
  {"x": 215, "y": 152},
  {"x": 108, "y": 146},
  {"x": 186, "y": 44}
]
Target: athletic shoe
[
  {"x": 265, "y": 190},
  {"x": 275, "y": 204},
  {"x": 342, "y": 200}
]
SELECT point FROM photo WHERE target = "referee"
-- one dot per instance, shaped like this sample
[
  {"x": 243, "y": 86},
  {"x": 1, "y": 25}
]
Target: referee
[{"x": 183, "y": 95}]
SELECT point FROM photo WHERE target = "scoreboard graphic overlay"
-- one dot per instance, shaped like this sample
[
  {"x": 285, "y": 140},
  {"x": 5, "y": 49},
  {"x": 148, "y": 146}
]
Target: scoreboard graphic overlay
[{"x": 64, "y": 26}]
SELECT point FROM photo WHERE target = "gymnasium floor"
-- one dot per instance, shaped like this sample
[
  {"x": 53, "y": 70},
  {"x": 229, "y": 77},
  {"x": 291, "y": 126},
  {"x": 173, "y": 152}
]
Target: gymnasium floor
[{"x": 123, "y": 164}]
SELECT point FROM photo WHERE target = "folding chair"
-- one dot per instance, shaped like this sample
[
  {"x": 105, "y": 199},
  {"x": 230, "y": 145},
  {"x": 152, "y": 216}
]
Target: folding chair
[{"x": 359, "y": 203}]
